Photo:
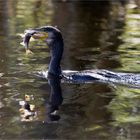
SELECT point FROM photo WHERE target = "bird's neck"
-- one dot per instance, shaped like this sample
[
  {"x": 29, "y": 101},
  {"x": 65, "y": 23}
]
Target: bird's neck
[{"x": 56, "y": 50}]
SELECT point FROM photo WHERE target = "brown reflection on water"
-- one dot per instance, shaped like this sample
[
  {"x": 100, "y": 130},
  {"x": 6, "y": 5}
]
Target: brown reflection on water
[{"x": 91, "y": 33}]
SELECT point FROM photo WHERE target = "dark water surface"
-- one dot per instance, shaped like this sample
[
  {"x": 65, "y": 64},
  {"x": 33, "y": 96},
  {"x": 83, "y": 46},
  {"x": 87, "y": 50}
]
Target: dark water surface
[{"x": 103, "y": 35}]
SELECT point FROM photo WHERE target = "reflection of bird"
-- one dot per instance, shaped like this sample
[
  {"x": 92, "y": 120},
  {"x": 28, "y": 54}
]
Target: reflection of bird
[
  {"x": 54, "y": 40},
  {"x": 55, "y": 99}
]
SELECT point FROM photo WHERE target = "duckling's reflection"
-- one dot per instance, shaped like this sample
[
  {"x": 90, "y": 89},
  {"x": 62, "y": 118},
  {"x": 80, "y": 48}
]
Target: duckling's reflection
[{"x": 55, "y": 99}]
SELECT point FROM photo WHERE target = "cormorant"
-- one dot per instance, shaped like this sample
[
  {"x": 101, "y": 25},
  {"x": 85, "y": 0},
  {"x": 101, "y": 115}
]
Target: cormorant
[{"x": 54, "y": 40}]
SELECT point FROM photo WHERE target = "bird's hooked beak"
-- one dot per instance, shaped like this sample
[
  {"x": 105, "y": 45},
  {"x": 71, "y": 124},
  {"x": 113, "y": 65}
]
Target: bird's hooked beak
[{"x": 34, "y": 33}]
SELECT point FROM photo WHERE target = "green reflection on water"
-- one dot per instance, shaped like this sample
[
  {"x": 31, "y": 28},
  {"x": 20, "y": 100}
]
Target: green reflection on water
[
  {"x": 16, "y": 17},
  {"x": 125, "y": 106},
  {"x": 130, "y": 49},
  {"x": 30, "y": 13}
]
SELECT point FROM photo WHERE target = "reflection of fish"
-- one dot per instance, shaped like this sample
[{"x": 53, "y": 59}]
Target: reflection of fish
[
  {"x": 54, "y": 40},
  {"x": 27, "y": 111}
]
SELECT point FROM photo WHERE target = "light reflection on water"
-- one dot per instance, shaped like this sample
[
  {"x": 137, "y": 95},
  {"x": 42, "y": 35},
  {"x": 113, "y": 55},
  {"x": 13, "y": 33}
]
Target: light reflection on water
[{"x": 95, "y": 36}]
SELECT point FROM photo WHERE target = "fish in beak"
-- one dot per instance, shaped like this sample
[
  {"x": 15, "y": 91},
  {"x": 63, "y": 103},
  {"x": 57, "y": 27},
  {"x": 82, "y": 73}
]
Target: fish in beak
[{"x": 35, "y": 34}]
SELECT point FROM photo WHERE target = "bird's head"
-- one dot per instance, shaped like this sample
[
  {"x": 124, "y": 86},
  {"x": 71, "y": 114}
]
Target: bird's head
[
  {"x": 46, "y": 33},
  {"x": 52, "y": 36}
]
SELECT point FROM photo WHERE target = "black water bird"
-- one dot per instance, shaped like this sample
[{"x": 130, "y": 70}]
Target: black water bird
[{"x": 54, "y": 40}]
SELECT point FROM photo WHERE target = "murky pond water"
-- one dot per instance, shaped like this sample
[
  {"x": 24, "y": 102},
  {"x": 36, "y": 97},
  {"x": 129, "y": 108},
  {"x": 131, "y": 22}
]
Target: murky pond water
[{"x": 102, "y": 35}]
